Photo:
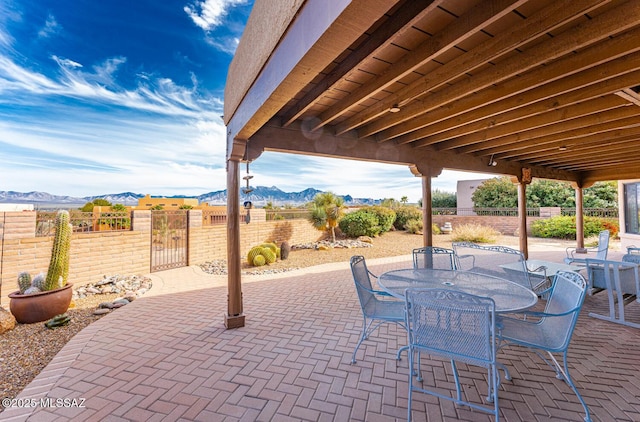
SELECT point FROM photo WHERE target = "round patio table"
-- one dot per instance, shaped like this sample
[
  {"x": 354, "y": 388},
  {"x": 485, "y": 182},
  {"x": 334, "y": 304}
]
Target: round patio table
[{"x": 507, "y": 295}]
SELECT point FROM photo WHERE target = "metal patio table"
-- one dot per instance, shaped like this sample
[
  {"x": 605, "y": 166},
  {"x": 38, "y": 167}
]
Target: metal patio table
[{"x": 507, "y": 295}]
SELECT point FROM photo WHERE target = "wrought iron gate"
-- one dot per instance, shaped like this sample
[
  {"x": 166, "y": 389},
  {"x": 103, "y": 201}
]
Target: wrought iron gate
[{"x": 169, "y": 239}]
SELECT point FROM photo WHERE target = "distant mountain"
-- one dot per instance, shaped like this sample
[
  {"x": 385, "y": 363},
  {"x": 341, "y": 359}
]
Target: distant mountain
[{"x": 260, "y": 195}]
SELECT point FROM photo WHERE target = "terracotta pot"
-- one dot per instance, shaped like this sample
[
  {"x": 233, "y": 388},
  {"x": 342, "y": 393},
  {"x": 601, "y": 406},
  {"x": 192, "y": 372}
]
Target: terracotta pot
[{"x": 42, "y": 306}]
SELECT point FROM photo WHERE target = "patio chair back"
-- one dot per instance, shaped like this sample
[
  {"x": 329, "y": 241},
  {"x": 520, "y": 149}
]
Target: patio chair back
[
  {"x": 434, "y": 258},
  {"x": 497, "y": 261},
  {"x": 566, "y": 297},
  {"x": 579, "y": 256},
  {"x": 620, "y": 280},
  {"x": 553, "y": 331},
  {"x": 377, "y": 306},
  {"x": 457, "y": 326}
]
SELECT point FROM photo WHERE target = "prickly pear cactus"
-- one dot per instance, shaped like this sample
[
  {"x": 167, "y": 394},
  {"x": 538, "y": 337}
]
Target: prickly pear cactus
[
  {"x": 58, "y": 272},
  {"x": 24, "y": 281}
]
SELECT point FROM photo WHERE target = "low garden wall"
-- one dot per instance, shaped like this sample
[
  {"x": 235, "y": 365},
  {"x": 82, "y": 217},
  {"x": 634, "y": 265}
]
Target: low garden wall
[{"x": 96, "y": 254}]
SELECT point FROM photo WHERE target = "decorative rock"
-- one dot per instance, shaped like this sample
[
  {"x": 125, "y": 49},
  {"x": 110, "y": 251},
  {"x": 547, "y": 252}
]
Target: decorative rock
[
  {"x": 101, "y": 311},
  {"x": 106, "y": 305},
  {"x": 284, "y": 250},
  {"x": 365, "y": 239},
  {"x": 7, "y": 321},
  {"x": 121, "y": 302}
]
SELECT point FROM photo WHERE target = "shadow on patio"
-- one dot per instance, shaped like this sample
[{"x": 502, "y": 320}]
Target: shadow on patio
[{"x": 168, "y": 357}]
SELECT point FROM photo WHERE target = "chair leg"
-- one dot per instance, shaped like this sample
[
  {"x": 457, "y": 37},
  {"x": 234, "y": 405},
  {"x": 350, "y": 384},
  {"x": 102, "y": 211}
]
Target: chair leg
[
  {"x": 569, "y": 381},
  {"x": 363, "y": 337}
]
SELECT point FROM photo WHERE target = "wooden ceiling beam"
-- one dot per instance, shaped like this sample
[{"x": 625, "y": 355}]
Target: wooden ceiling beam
[
  {"x": 581, "y": 125},
  {"x": 531, "y": 28},
  {"x": 480, "y": 130},
  {"x": 526, "y": 72},
  {"x": 480, "y": 16},
  {"x": 407, "y": 15},
  {"x": 573, "y": 146}
]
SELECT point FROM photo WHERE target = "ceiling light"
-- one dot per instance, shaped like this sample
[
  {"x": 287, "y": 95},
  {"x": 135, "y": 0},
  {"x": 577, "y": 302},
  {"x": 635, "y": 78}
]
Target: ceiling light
[
  {"x": 394, "y": 108},
  {"x": 492, "y": 162},
  {"x": 562, "y": 148}
]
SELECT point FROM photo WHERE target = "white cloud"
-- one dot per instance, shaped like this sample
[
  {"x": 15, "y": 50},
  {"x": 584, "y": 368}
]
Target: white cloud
[
  {"x": 209, "y": 14},
  {"x": 51, "y": 27}
]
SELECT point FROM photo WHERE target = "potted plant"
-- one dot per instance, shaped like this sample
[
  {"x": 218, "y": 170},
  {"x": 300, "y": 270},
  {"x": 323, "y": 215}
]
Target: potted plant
[{"x": 46, "y": 295}]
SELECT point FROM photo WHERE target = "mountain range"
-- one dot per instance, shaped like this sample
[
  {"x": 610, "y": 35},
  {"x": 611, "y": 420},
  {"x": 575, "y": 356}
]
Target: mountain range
[{"x": 259, "y": 196}]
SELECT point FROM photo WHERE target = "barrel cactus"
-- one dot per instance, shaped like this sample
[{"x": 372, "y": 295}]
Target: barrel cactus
[{"x": 265, "y": 253}]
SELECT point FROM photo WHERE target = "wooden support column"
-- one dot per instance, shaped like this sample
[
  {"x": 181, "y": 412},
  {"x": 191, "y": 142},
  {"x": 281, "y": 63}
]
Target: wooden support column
[
  {"x": 522, "y": 220},
  {"x": 234, "y": 317},
  {"x": 427, "y": 215},
  {"x": 579, "y": 217}
]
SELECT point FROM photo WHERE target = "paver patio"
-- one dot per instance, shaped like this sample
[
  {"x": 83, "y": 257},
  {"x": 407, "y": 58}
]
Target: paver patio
[{"x": 168, "y": 357}]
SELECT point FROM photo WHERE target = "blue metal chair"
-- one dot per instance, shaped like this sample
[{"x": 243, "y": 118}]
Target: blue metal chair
[
  {"x": 499, "y": 261},
  {"x": 457, "y": 326},
  {"x": 551, "y": 332},
  {"x": 600, "y": 251},
  {"x": 378, "y": 307},
  {"x": 434, "y": 258},
  {"x": 621, "y": 281}
]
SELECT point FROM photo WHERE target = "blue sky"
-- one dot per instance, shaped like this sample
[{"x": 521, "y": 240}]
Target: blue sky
[{"x": 111, "y": 96}]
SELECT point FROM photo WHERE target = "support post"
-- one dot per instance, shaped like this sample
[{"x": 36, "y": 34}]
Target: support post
[
  {"x": 579, "y": 217},
  {"x": 522, "y": 219},
  {"x": 427, "y": 215},
  {"x": 234, "y": 317}
]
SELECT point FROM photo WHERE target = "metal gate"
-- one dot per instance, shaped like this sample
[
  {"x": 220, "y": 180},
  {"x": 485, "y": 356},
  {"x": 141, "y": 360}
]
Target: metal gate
[{"x": 169, "y": 239}]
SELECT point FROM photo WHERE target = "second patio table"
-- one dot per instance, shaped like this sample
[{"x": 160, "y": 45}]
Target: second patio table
[{"x": 507, "y": 295}]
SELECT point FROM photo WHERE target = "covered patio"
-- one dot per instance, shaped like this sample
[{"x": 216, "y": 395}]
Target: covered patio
[
  {"x": 523, "y": 88},
  {"x": 167, "y": 357}
]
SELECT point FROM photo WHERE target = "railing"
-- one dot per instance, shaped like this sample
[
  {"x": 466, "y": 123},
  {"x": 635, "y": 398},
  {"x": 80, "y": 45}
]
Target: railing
[
  {"x": 287, "y": 214},
  {"x": 214, "y": 218},
  {"x": 593, "y": 212},
  {"x": 84, "y": 222},
  {"x": 500, "y": 212}
]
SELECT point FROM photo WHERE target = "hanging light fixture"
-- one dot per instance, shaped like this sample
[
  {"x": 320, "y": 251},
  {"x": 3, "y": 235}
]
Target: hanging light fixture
[{"x": 492, "y": 162}]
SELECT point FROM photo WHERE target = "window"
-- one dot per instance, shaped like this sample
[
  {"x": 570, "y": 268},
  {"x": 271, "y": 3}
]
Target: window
[{"x": 631, "y": 207}]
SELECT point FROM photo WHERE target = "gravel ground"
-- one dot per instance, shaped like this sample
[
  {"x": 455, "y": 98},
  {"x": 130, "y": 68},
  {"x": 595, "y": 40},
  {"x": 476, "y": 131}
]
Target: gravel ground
[{"x": 28, "y": 348}]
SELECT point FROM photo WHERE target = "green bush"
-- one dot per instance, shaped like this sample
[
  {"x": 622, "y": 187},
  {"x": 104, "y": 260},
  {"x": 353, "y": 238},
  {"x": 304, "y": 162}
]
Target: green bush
[
  {"x": 414, "y": 226},
  {"x": 475, "y": 233},
  {"x": 386, "y": 216},
  {"x": 564, "y": 227},
  {"x": 360, "y": 223},
  {"x": 405, "y": 214}
]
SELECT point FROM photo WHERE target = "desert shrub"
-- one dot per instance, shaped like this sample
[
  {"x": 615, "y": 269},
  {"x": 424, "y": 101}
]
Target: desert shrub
[
  {"x": 414, "y": 226},
  {"x": 386, "y": 216},
  {"x": 475, "y": 233},
  {"x": 564, "y": 227},
  {"x": 435, "y": 229},
  {"x": 360, "y": 223},
  {"x": 405, "y": 214}
]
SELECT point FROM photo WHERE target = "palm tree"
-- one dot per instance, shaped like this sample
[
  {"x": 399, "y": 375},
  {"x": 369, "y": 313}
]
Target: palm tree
[{"x": 326, "y": 210}]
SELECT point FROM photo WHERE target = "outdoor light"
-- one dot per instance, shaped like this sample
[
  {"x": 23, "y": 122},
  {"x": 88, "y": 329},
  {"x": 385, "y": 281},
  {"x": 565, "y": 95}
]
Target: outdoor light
[
  {"x": 562, "y": 148},
  {"x": 492, "y": 162},
  {"x": 394, "y": 108}
]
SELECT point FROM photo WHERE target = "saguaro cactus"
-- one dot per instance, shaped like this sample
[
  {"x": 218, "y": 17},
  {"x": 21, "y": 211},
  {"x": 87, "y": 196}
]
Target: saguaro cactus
[{"x": 58, "y": 272}]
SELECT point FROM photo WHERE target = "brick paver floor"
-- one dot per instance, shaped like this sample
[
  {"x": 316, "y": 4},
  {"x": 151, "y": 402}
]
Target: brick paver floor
[{"x": 168, "y": 357}]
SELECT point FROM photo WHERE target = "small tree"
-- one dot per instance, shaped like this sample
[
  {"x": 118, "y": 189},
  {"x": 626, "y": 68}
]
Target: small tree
[{"x": 326, "y": 210}]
